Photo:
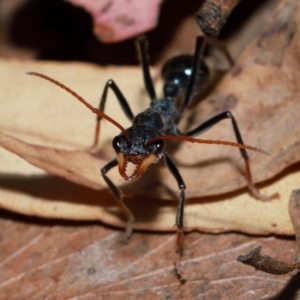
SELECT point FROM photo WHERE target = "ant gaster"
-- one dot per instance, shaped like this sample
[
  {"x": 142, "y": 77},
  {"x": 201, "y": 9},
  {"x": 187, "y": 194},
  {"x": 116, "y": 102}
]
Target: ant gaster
[{"x": 143, "y": 143}]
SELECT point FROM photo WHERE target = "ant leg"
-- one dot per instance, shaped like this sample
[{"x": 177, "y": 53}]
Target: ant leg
[
  {"x": 179, "y": 217},
  {"x": 198, "y": 57},
  {"x": 142, "y": 46},
  {"x": 122, "y": 101},
  {"x": 118, "y": 197},
  {"x": 213, "y": 121}
]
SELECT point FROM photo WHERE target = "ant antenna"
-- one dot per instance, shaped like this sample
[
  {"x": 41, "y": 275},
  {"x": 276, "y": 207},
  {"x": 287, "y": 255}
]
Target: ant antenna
[
  {"x": 200, "y": 141},
  {"x": 89, "y": 106}
]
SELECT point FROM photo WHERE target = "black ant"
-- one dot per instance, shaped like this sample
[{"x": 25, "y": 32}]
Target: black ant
[{"x": 143, "y": 143}]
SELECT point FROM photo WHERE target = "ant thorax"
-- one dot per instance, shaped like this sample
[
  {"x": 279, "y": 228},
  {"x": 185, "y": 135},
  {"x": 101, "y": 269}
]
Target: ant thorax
[{"x": 169, "y": 114}]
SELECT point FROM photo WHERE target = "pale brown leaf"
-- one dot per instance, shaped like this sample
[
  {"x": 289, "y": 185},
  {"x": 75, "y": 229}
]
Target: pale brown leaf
[{"x": 213, "y": 214}]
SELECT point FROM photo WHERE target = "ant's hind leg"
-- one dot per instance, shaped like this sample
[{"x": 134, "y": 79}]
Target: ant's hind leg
[
  {"x": 119, "y": 198},
  {"x": 179, "y": 217},
  {"x": 213, "y": 121}
]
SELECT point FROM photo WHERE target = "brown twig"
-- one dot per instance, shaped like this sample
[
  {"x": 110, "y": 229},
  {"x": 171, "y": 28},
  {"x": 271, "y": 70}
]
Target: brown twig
[
  {"x": 213, "y": 14},
  {"x": 266, "y": 263}
]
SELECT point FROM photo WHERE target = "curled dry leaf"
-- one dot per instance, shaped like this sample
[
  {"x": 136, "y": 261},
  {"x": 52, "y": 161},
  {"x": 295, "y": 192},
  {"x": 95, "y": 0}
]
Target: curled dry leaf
[
  {"x": 115, "y": 21},
  {"x": 262, "y": 92}
]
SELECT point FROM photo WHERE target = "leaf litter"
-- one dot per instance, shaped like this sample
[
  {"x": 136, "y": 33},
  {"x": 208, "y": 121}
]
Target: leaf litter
[
  {"x": 261, "y": 92},
  {"x": 88, "y": 261},
  {"x": 64, "y": 259}
]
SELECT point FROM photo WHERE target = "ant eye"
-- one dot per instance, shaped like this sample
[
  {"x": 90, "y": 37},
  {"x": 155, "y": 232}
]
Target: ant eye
[
  {"x": 159, "y": 146},
  {"x": 118, "y": 143}
]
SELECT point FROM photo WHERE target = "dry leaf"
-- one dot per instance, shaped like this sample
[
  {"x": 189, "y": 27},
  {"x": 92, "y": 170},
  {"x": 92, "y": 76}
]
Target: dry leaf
[
  {"x": 49, "y": 260},
  {"x": 261, "y": 92},
  {"x": 70, "y": 201},
  {"x": 115, "y": 21}
]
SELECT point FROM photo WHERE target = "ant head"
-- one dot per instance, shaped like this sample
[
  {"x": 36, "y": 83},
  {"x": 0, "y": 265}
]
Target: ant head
[{"x": 137, "y": 150}]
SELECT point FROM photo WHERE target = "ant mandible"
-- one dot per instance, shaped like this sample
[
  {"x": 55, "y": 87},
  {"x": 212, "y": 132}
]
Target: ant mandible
[{"x": 143, "y": 143}]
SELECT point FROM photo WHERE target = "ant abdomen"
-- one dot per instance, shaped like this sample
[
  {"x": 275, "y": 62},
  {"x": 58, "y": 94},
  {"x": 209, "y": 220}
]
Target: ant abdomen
[{"x": 177, "y": 72}]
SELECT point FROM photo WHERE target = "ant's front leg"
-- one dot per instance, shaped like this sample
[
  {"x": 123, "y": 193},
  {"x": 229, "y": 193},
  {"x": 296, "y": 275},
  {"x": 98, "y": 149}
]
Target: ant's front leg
[
  {"x": 179, "y": 217},
  {"x": 228, "y": 115},
  {"x": 118, "y": 197},
  {"x": 122, "y": 101}
]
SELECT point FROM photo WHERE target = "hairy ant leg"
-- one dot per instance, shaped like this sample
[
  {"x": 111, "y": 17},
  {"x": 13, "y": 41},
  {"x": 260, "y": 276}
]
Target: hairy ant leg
[
  {"x": 118, "y": 197},
  {"x": 213, "y": 121},
  {"x": 115, "y": 190},
  {"x": 180, "y": 211},
  {"x": 122, "y": 101}
]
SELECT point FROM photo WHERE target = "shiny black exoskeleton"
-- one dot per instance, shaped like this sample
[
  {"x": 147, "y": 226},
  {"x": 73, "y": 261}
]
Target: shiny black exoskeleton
[
  {"x": 144, "y": 142},
  {"x": 177, "y": 72}
]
